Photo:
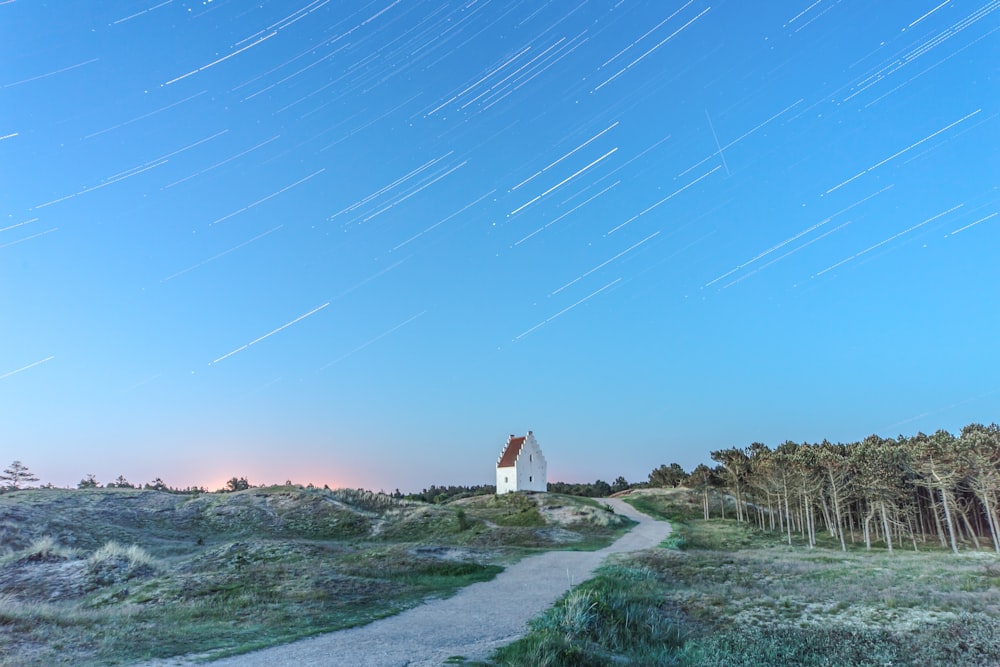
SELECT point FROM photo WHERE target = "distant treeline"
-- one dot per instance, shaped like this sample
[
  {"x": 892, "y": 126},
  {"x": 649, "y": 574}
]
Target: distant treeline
[
  {"x": 442, "y": 494},
  {"x": 899, "y": 491}
]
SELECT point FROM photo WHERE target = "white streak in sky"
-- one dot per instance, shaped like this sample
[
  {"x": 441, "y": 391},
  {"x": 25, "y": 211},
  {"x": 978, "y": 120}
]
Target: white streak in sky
[
  {"x": 410, "y": 194},
  {"x": 302, "y": 12},
  {"x": 930, "y": 67},
  {"x": 145, "y": 115},
  {"x": 53, "y": 73},
  {"x": 661, "y": 43},
  {"x": 960, "y": 229},
  {"x": 550, "y": 165},
  {"x": 130, "y": 174},
  {"x": 9, "y": 136},
  {"x": 221, "y": 254},
  {"x": 270, "y": 196},
  {"x": 141, "y": 383},
  {"x": 24, "y": 368},
  {"x": 908, "y": 148},
  {"x": 219, "y": 164},
  {"x": 562, "y": 182},
  {"x": 795, "y": 237},
  {"x": 549, "y": 224},
  {"x": 790, "y": 252},
  {"x": 398, "y": 181},
  {"x": 645, "y": 35},
  {"x": 26, "y": 222},
  {"x": 144, "y": 11},
  {"x": 439, "y": 222},
  {"x": 893, "y": 237},
  {"x": 604, "y": 263},
  {"x": 664, "y": 200},
  {"x": 899, "y": 62},
  {"x": 373, "y": 340},
  {"x": 268, "y": 335},
  {"x": 799, "y": 15},
  {"x": 486, "y": 76},
  {"x": 929, "y": 13},
  {"x": 717, "y": 144},
  {"x": 372, "y": 277},
  {"x": 511, "y": 75},
  {"x": 741, "y": 137},
  {"x": 28, "y": 238},
  {"x": 219, "y": 60},
  {"x": 567, "y": 309}
]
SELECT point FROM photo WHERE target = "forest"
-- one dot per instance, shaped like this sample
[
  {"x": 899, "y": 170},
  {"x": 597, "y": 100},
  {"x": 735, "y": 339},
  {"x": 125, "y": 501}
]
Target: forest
[{"x": 901, "y": 492}]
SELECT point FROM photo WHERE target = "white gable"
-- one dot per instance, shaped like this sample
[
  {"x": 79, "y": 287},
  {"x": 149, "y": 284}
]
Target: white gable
[{"x": 521, "y": 466}]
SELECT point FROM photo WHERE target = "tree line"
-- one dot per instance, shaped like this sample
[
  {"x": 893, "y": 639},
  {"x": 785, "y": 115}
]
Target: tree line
[{"x": 899, "y": 491}]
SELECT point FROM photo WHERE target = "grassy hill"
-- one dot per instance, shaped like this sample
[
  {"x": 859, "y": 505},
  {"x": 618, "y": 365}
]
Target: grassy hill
[
  {"x": 724, "y": 594},
  {"x": 113, "y": 576}
]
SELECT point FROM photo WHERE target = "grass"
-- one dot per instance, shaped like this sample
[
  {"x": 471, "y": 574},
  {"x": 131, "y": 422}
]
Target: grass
[
  {"x": 613, "y": 618},
  {"x": 721, "y": 593},
  {"x": 115, "y": 576}
]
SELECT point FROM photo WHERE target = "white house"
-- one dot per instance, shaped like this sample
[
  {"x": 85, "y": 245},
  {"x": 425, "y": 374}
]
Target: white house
[{"x": 521, "y": 466}]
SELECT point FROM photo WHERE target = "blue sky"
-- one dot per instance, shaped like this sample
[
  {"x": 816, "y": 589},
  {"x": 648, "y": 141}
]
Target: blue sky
[{"x": 359, "y": 243}]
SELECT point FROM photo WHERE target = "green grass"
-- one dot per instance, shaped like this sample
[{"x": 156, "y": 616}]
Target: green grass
[
  {"x": 113, "y": 576},
  {"x": 612, "y": 618},
  {"x": 721, "y": 593}
]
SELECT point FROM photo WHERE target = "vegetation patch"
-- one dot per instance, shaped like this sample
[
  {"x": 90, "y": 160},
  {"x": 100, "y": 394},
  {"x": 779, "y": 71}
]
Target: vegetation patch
[
  {"x": 614, "y": 618},
  {"x": 725, "y": 593},
  {"x": 104, "y": 576}
]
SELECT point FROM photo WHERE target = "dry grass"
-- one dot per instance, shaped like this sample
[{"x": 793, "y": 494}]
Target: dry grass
[
  {"x": 111, "y": 576},
  {"x": 731, "y": 596}
]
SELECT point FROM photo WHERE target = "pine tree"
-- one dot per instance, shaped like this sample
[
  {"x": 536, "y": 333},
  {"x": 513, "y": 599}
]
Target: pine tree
[{"x": 16, "y": 475}]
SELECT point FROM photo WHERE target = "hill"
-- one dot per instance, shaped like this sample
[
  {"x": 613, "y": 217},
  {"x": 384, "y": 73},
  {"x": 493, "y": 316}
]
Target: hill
[{"x": 112, "y": 576}]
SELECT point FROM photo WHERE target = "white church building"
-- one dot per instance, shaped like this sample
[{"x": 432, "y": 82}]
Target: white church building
[{"x": 521, "y": 466}]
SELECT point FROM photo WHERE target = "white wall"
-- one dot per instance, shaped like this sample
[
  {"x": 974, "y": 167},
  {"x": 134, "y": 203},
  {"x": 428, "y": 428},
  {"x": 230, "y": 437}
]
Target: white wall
[{"x": 528, "y": 472}]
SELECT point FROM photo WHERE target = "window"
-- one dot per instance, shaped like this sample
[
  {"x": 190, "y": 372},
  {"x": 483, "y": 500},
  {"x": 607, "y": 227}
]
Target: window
[
  {"x": 529, "y": 478},
  {"x": 505, "y": 479}
]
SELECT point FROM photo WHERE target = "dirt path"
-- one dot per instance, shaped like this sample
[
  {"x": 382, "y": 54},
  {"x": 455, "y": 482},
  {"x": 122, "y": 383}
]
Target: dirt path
[{"x": 471, "y": 623}]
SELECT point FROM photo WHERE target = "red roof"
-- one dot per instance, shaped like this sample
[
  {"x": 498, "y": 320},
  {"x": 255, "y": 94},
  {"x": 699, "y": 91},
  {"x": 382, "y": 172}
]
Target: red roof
[{"x": 510, "y": 453}]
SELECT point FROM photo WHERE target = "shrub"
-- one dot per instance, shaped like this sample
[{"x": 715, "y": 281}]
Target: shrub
[
  {"x": 45, "y": 549},
  {"x": 114, "y": 563}
]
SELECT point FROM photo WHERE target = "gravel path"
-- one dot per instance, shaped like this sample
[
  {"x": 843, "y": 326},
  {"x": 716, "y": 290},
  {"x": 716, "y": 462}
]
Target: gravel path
[{"x": 471, "y": 623}]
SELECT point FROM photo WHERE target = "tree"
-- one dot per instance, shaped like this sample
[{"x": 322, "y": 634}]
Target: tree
[
  {"x": 701, "y": 479},
  {"x": 668, "y": 476},
  {"x": 16, "y": 475},
  {"x": 120, "y": 483},
  {"x": 237, "y": 484},
  {"x": 736, "y": 463},
  {"x": 88, "y": 482},
  {"x": 157, "y": 485},
  {"x": 620, "y": 484}
]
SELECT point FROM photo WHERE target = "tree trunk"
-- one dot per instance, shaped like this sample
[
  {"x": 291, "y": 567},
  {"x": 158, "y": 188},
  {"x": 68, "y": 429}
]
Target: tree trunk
[
  {"x": 885, "y": 527},
  {"x": 836, "y": 512},
  {"x": 947, "y": 518},
  {"x": 968, "y": 527},
  {"x": 991, "y": 518},
  {"x": 826, "y": 515},
  {"x": 867, "y": 527},
  {"x": 937, "y": 521}
]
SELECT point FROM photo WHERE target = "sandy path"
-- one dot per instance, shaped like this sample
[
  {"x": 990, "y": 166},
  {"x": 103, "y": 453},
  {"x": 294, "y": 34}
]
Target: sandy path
[{"x": 471, "y": 623}]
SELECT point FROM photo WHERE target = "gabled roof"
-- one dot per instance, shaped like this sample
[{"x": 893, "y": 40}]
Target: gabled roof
[{"x": 510, "y": 452}]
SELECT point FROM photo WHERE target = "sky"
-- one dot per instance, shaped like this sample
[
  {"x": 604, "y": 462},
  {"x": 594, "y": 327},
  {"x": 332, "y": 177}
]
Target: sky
[{"x": 361, "y": 243}]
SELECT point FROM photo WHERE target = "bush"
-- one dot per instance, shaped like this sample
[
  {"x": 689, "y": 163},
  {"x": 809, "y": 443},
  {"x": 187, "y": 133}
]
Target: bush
[
  {"x": 614, "y": 618},
  {"x": 114, "y": 563},
  {"x": 45, "y": 549}
]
